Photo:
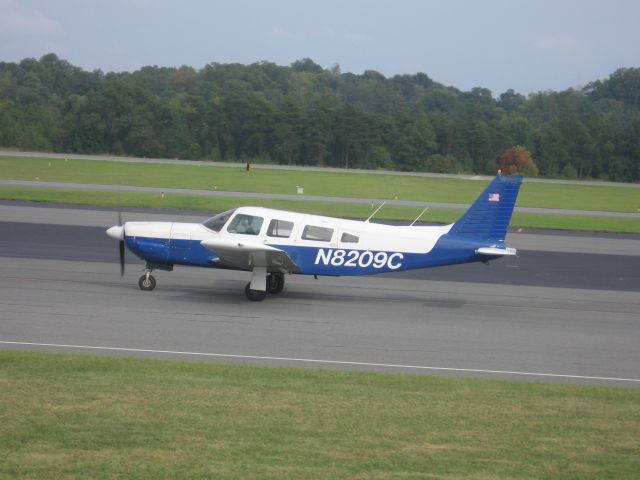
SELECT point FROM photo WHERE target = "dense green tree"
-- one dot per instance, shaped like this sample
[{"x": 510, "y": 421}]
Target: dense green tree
[
  {"x": 305, "y": 114},
  {"x": 511, "y": 101},
  {"x": 306, "y": 65}
]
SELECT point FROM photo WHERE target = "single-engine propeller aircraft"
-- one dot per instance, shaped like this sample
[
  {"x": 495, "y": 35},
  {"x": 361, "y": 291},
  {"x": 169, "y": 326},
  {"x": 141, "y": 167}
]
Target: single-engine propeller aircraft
[{"x": 271, "y": 243}]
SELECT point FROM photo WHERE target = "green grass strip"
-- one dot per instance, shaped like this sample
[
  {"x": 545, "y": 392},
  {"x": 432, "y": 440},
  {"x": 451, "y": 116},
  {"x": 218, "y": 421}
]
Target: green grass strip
[
  {"x": 74, "y": 416},
  {"x": 218, "y": 204},
  {"x": 447, "y": 190}
]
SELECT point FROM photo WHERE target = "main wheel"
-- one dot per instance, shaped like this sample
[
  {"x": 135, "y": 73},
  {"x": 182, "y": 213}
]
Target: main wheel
[
  {"x": 275, "y": 283},
  {"x": 147, "y": 283},
  {"x": 254, "y": 295}
]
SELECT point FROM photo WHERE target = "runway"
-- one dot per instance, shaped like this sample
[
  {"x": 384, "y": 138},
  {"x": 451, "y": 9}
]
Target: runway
[{"x": 60, "y": 286}]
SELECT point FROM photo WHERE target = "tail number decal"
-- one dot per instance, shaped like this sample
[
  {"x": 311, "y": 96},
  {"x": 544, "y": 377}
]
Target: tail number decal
[{"x": 359, "y": 258}]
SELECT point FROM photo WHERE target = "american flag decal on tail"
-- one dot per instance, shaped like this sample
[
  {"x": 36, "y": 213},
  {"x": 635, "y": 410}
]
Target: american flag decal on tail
[{"x": 494, "y": 197}]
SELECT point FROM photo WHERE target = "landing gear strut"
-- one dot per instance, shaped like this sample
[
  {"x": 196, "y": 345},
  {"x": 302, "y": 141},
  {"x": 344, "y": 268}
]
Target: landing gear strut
[{"x": 147, "y": 282}]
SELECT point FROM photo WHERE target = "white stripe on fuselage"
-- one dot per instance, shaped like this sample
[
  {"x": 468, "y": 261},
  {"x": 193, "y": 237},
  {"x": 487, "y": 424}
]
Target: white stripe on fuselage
[{"x": 373, "y": 236}]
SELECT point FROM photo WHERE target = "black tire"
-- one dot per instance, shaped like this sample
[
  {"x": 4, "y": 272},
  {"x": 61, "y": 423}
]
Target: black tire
[
  {"x": 147, "y": 284},
  {"x": 275, "y": 283},
  {"x": 254, "y": 295}
]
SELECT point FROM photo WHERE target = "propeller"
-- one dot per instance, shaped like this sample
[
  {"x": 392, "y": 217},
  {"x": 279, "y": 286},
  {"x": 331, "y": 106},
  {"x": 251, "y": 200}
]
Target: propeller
[
  {"x": 117, "y": 233},
  {"x": 121, "y": 257},
  {"x": 121, "y": 244}
]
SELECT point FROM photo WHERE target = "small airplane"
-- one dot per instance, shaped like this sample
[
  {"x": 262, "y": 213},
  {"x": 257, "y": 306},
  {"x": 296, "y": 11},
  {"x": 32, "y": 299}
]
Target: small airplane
[{"x": 271, "y": 243}]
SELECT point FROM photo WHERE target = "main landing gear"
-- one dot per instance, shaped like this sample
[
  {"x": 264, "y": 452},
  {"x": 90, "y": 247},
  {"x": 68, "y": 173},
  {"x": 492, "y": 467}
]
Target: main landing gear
[
  {"x": 254, "y": 295},
  {"x": 274, "y": 285},
  {"x": 147, "y": 282}
]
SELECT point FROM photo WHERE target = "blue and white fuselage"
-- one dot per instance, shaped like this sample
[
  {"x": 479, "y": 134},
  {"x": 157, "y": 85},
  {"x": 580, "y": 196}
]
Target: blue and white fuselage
[{"x": 271, "y": 243}]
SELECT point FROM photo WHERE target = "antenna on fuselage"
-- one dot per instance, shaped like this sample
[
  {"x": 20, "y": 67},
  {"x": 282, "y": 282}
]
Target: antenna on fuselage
[
  {"x": 376, "y": 211},
  {"x": 418, "y": 217}
]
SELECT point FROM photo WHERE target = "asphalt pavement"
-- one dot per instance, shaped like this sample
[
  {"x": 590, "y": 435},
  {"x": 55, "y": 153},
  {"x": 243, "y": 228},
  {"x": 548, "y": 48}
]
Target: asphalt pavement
[{"x": 557, "y": 316}]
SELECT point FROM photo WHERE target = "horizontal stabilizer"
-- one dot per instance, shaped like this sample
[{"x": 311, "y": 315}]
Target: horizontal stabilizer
[{"x": 495, "y": 251}]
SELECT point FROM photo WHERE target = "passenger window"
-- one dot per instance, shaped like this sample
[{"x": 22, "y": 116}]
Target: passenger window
[
  {"x": 280, "y": 228},
  {"x": 319, "y": 234},
  {"x": 245, "y": 224},
  {"x": 348, "y": 238}
]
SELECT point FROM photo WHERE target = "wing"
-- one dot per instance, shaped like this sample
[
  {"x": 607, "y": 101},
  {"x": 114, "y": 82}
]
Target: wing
[{"x": 246, "y": 255}]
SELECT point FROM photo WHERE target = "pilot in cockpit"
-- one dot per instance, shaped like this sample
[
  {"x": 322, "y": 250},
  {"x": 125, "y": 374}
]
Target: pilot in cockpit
[{"x": 246, "y": 227}]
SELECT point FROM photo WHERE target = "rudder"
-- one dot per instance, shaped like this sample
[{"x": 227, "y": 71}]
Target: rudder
[{"x": 489, "y": 216}]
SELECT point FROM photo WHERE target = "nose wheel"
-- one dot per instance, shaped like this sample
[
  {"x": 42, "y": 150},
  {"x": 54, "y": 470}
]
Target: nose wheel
[{"x": 147, "y": 282}]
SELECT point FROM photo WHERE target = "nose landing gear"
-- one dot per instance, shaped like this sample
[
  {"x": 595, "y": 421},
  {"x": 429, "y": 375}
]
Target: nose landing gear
[{"x": 147, "y": 282}]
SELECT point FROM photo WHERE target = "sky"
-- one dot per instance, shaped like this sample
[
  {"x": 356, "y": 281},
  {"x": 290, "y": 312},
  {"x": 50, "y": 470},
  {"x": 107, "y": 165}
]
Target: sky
[{"x": 528, "y": 46}]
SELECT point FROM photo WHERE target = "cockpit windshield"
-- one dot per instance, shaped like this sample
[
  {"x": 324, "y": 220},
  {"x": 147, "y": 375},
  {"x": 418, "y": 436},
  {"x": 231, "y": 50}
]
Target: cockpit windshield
[{"x": 216, "y": 223}]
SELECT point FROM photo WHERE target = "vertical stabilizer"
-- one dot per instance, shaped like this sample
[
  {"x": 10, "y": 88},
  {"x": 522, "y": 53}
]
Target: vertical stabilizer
[{"x": 489, "y": 216}]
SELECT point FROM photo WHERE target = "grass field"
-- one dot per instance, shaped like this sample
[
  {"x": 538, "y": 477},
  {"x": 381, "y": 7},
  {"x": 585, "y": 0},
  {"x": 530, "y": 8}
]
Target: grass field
[
  {"x": 219, "y": 204},
  {"x": 622, "y": 199},
  {"x": 65, "y": 416}
]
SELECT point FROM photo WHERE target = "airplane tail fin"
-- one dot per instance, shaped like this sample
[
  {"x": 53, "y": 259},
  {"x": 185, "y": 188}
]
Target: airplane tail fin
[{"x": 489, "y": 216}]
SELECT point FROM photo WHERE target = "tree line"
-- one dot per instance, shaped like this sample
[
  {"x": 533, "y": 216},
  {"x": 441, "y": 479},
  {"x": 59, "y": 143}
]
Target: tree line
[{"x": 304, "y": 114}]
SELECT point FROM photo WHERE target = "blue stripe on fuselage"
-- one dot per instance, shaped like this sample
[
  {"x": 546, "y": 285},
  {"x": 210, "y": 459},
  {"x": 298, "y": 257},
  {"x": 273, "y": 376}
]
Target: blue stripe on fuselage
[{"x": 448, "y": 250}]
